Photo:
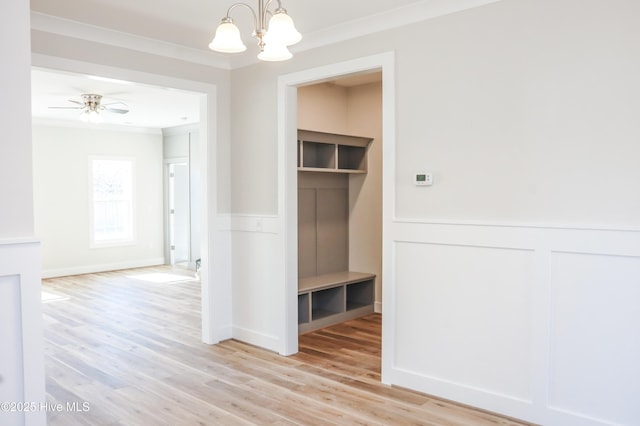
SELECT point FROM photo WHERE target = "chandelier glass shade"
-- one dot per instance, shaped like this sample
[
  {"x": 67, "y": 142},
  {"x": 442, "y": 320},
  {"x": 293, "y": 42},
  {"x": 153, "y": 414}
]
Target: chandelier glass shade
[
  {"x": 227, "y": 39},
  {"x": 282, "y": 31},
  {"x": 273, "y": 38}
]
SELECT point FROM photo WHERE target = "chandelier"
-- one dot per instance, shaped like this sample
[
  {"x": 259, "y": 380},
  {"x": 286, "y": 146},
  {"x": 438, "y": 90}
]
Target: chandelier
[{"x": 273, "y": 38}]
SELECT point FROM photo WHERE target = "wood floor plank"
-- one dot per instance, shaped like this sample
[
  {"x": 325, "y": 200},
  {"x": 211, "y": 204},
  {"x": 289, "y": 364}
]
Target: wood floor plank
[{"x": 130, "y": 348}]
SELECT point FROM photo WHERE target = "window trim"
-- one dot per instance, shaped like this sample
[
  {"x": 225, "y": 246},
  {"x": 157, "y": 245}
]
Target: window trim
[{"x": 130, "y": 241}]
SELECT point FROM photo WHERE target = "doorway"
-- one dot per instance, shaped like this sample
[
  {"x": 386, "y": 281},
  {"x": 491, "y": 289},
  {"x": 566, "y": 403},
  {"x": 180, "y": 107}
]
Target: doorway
[
  {"x": 206, "y": 99},
  {"x": 339, "y": 200},
  {"x": 288, "y": 157}
]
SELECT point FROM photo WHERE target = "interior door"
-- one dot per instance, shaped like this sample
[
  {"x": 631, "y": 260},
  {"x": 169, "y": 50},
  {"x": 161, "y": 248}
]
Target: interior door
[{"x": 179, "y": 214}]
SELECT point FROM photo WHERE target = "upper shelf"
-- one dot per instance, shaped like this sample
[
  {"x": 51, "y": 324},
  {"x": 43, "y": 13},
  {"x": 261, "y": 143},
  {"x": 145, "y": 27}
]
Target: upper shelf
[{"x": 330, "y": 152}]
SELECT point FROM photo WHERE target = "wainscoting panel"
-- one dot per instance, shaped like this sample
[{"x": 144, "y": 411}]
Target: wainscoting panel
[
  {"x": 257, "y": 291},
  {"x": 11, "y": 368},
  {"x": 536, "y": 322},
  {"x": 473, "y": 305},
  {"x": 21, "y": 356},
  {"x": 595, "y": 336}
]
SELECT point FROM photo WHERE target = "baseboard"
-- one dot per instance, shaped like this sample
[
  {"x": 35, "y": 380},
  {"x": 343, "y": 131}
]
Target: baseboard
[
  {"x": 90, "y": 269},
  {"x": 377, "y": 307},
  {"x": 256, "y": 338}
]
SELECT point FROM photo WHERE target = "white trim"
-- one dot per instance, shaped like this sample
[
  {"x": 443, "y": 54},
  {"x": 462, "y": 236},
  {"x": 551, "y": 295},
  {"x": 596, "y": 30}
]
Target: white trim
[
  {"x": 255, "y": 338},
  {"x": 287, "y": 181},
  {"x": 66, "y": 27},
  {"x": 266, "y": 224},
  {"x": 506, "y": 224},
  {"x": 91, "y": 269},
  {"x": 60, "y": 64},
  {"x": 254, "y": 223},
  {"x": 166, "y": 217},
  {"x": 18, "y": 241}
]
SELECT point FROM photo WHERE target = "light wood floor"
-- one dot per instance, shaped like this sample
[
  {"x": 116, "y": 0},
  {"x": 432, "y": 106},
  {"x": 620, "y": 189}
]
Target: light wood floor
[{"x": 129, "y": 351}]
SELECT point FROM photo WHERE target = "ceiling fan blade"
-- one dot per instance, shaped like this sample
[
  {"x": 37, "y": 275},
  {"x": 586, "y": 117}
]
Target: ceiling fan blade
[
  {"x": 116, "y": 110},
  {"x": 58, "y": 107},
  {"x": 117, "y": 107},
  {"x": 117, "y": 104},
  {"x": 76, "y": 102}
]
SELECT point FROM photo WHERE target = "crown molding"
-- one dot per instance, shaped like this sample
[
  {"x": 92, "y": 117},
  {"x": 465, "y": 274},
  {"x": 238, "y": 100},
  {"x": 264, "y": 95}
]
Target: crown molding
[
  {"x": 394, "y": 18},
  {"x": 80, "y": 30}
]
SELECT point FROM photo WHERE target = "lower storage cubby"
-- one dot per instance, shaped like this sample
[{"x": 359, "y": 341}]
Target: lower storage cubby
[
  {"x": 333, "y": 298},
  {"x": 360, "y": 294},
  {"x": 327, "y": 302}
]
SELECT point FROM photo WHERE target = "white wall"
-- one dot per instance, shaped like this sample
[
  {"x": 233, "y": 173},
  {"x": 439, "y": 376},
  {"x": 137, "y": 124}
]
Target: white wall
[
  {"x": 514, "y": 105},
  {"x": 513, "y": 278},
  {"x": 62, "y": 198},
  {"x": 21, "y": 359},
  {"x": 16, "y": 215}
]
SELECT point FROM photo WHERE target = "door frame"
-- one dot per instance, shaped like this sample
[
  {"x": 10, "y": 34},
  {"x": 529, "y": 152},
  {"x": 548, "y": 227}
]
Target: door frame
[
  {"x": 215, "y": 294},
  {"x": 287, "y": 185},
  {"x": 168, "y": 162}
]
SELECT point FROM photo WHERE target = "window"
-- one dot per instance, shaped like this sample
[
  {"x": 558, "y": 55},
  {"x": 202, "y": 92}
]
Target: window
[{"x": 112, "y": 207}]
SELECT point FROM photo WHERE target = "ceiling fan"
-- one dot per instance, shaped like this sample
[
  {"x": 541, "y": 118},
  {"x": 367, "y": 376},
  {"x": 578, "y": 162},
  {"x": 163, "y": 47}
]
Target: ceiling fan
[{"x": 91, "y": 107}]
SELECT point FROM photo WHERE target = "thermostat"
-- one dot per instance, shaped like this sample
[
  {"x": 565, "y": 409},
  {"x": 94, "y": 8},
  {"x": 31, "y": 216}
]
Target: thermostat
[{"x": 424, "y": 179}]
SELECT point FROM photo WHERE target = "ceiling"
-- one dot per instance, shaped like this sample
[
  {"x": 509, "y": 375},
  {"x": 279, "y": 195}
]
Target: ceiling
[
  {"x": 190, "y": 24},
  {"x": 149, "y": 106}
]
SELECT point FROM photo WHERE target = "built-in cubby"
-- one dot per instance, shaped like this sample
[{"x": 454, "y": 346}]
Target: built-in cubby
[
  {"x": 328, "y": 292},
  {"x": 330, "y": 152},
  {"x": 332, "y": 298},
  {"x": 317, "y": 155},
  {"x": 352, "y": 158},
  {"x": 327, "y": 302},
  {"x": 359, "y": 294},
  {"x": 304, "y": 314}
]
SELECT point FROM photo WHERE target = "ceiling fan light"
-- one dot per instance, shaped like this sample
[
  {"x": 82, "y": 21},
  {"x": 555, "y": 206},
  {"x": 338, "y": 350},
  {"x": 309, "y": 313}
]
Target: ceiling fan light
[
  {"x": 227, "y": 38},
  {"x": 95, "y": 117},
  {"x": 281, "y": 30},
  {"x": 84, "y": 116},
  {"x": 275, "y": 52}
]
